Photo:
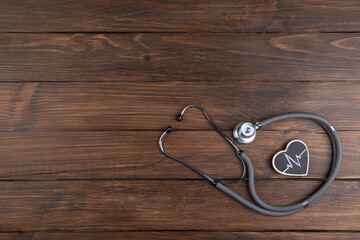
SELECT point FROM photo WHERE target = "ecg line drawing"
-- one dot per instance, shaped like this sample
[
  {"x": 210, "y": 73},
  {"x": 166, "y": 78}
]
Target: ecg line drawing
[{"x": 297, "y": 161}]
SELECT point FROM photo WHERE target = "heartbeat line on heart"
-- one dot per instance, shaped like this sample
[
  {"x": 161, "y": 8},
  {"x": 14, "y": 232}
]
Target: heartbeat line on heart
[{"x": 297, "y": 161}]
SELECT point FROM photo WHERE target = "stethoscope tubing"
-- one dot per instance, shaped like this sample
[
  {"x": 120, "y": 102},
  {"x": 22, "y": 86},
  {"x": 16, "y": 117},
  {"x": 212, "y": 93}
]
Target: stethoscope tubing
[{"x": 261, "y": 206}]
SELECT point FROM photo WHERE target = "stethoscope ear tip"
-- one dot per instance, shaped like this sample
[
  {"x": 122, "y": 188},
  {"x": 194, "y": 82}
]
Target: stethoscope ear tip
[
  {"x": 169, "y": 129},
  {"x": 179, "y": 117}
]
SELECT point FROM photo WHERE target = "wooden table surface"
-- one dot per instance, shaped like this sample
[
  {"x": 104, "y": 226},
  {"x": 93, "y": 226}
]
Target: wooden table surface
[{"x": 87, "y": 88}]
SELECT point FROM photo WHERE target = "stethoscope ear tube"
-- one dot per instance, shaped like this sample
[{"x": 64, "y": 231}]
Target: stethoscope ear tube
[{"x": 260, "y": 206}]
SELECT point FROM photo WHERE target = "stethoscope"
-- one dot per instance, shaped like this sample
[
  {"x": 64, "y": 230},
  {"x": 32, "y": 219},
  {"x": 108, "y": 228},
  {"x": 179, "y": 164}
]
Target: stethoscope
[{"x": 245, "y": 133}]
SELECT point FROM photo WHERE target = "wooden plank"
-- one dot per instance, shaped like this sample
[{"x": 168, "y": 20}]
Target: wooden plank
[
  {"x": 153, "y": 106},
  {"x": 135, "y": 154},
  {"x": 179, "y": 57},
  {"x": 177, "y": 235},
  {"x": 179, "y": 16},
  {"x": 169, "y": 205}
]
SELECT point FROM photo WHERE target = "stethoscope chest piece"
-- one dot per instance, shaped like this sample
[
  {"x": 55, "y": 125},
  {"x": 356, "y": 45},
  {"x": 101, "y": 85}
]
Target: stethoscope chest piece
[{"x": 244, "y": 132}]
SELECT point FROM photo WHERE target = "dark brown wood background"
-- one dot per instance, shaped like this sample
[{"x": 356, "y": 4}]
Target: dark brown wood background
[{"x": 87, "y": 87}]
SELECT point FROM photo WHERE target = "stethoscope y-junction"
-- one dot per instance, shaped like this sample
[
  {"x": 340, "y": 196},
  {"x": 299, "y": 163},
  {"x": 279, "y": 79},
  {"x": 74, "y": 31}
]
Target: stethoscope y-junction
[{"x": 245, "y": 133}]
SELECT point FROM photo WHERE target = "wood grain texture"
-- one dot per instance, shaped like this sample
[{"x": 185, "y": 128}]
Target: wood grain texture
[
  {"x": 179, "y": 57},
  {"x": 180, "y": 16},
  {"x": 169, "y": 205},
  {"x": 136, "y": 155},
  {"x": 153, "y": 106},
  {"x": 87, "y": 87},
  {"x": 178, "y": 235}
]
